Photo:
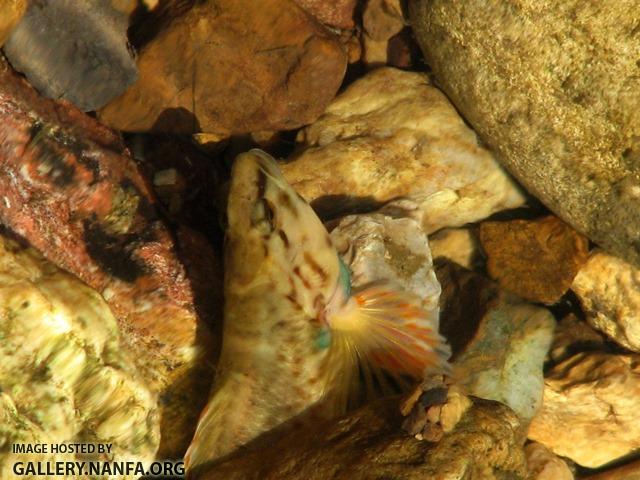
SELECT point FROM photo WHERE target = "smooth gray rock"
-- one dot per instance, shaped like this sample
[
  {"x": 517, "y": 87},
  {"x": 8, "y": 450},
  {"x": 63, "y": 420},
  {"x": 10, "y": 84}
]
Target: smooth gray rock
[{"x": 73, "y": 50}]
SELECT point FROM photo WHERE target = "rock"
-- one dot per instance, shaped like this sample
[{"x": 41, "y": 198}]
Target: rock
[
  {"x": 499, "y": 342},
  {"x": 552, "y": 87},
  {"x": 459, "y": 245},
  {"x": 381, "y": 20},
  {"x": 434, "y": 408},
  {"x": 129, "y": 6},
  {"x": 391, "y": 135},
  {"x": 203, "y": 72},
  {"x": 535, "y": 259},
  {"x": 71, "y": 189},
  {"x": 368, "y": 443},
  {"x": 185, "y": 179},
  {"x": 378, "y": 247},
  {"x": 403, "y": 51},
  {"x": 630, "y": 471},
  {"x": 544, "y": 465},
  {"x": 11, "y": 11},
  {"x": 590, "y": 411},
  {"x": 65, "y": 376},
  {"x": 74, "y": 51},
  {"x": 338, "y": 13},
  {"x": 609, "y": 291},
  {"x": 573, "y": 335}
]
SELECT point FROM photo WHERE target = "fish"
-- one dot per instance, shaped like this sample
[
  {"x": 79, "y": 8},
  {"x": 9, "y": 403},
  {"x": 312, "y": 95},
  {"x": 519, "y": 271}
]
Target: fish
[{"x": 297, "y": 337}]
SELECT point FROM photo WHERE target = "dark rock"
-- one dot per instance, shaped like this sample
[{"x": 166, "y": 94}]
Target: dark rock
[
  {"x": 73, "y": 50},
  {"x": 369, "y": 443}
]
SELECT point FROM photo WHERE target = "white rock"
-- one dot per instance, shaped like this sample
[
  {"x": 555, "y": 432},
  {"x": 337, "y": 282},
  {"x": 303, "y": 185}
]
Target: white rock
[
  {"x": 609, "y": 290},
  {"x": 505, "y": 360},
  {"x": 392, "y": 135},
  {"x": 499, "y": 341},
  {"x": 379, "y": 247}
]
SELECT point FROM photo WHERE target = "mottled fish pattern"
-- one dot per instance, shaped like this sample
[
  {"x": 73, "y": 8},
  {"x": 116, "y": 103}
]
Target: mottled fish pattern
[{"x": 295, "y": 335}]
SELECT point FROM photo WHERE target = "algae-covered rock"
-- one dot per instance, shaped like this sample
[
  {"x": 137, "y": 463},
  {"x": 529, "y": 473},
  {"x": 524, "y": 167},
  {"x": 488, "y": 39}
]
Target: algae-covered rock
[
  {"x": 553, "y": 88},
  {"x": 499, "y": 342},
  {"x": 64, "y": 376}
]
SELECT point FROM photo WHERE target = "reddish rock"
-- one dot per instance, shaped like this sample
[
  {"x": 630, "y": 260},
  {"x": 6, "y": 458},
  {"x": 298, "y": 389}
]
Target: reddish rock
[
  {"x": 71, "y": 189},
  {"x": 336, "y": 13},
  {"x": 536, "y": 259},
  {"x": 230, "y": 67}
]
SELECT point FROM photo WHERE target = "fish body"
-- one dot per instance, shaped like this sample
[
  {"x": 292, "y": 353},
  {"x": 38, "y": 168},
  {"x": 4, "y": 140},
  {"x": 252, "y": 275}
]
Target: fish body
[{"x": 295, "y": 335}]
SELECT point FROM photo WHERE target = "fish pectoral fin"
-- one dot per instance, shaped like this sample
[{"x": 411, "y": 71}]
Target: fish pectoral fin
[{"x": 384, "y": 333}]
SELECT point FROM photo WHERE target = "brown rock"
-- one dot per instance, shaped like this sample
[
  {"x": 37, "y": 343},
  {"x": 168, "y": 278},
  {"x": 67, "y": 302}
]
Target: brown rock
[
  {"x": 381, "y": 20},
  {"x": 336, "y": 13},
  {"x": 71, "y": 189},
  {"x": 591, "y": 411},
  {"x": 544, "y": 465},
  {"x": 536, "y": 259},
  {"x": 369, "y": 443},
  {"x": 630, "y": 471},
  {"x": 230, "y": 66},
  {"x": 11, "y": 11}
]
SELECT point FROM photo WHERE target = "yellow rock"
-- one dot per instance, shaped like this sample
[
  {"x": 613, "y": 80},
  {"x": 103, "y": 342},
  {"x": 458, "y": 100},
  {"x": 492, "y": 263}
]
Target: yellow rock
[
  {"x": 11, "y": 12},
  {"x": 393, "y": 135},
  {"x": 590, "y": 409},
  {"x": 609, "y": 291}
]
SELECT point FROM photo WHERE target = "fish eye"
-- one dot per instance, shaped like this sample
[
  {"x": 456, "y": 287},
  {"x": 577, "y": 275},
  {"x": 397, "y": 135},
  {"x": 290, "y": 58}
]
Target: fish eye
[{"x": 262, "y": 216}]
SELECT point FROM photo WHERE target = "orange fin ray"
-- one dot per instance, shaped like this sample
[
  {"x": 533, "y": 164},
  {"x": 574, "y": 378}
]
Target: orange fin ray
[{"x": 382, "y": 328}]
